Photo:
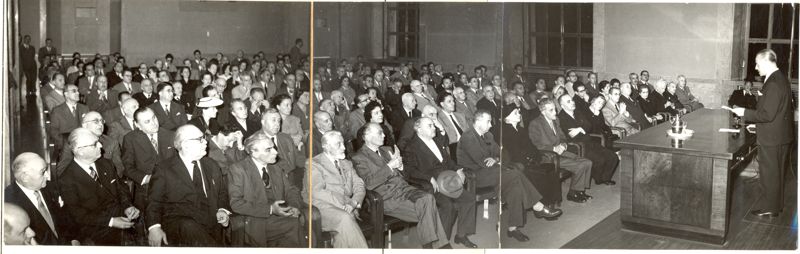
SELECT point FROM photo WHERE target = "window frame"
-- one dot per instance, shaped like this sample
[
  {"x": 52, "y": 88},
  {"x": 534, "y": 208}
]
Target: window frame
[
  {"x": 397, "y": 7},
  {"x": 530, "y": 36},
  {"x": 769, "y": 41}
]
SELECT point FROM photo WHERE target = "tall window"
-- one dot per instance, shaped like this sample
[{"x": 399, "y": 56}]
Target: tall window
[
  {"x": 402, "y": 30},
  {"x": 773, "y": 26},
  {"x": 560, "y": 35}
]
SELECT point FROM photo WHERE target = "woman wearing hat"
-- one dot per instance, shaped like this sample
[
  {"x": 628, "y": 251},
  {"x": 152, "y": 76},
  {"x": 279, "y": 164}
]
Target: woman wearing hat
[
  {"x": 206, "y": 119},
  {"x": 519, "y": 150}
]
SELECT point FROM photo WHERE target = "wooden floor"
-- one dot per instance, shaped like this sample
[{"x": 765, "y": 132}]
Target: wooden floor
[{"x": 747, "y": 232}]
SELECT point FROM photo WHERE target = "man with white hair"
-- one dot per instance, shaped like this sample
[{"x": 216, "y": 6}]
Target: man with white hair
[
  {"x": 94, "y": 122},
  {"x": 119, "y": 128},
  {"x": 322, "y": 124},
  {"x": 264, "y": 200},
  {"x": 423, "y": 98},
  {"x": 290, "y": 158},
  {"x": 16, "y": 229},
  {"x": 192, "y": 213},
  {"x": 94, "y": 194},
  {"x": 337, "y": 191},
  {"x": 47, "y": 217},
  {"x": 407, "y": 112}
]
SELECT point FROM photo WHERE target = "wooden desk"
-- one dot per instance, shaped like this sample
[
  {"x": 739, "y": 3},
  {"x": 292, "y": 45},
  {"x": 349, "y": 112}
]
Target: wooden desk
[{"x": 683, "y": 191}]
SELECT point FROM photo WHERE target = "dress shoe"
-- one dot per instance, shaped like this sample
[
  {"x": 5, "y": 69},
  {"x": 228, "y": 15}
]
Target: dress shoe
[
  {"x": 576, "y": 197},
  {"x": 463, "y": 240},
  {"x": 584, "y": 195},
  {"x": 516, "y": 234},
  {"x": 547, "y": 213},
  {"x": 762, "y": 213}
]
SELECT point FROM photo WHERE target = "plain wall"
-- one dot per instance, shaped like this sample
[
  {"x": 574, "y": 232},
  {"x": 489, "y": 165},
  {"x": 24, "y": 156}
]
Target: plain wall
[
  {"x": 462, "y": 33},
  {"x": 29, "y": 21},
  {"x": 695, "y": 40},
  {"x": 181, "y": 27},
  {"x": 346, "y": 30}
]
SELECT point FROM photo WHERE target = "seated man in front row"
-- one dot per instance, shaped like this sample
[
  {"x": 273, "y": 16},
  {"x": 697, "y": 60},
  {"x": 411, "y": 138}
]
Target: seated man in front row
[
  {"x": 264, "y": 200},
  {"x": 424, "y": 159},
  {"x": 337, "y": 192},
  {"x": 188, "y": 201},
  {"x": 481, "y": 154},
  {"x": 379, "y": 166}
]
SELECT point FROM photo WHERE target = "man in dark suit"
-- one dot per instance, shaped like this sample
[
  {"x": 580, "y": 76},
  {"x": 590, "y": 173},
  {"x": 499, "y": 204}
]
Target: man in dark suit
[
  {"x": 146, "y": 96},
  {"x": 115, "y": 76},
  {"x": 290, "y": 158},
  {"x": 491, "y": 104},
  {"x": 101, "y": 99},
  {"x": 266, "y": 205},
  {"x": 773, "y": 118},
  {"x": 46, "y": 52},
  {"x": 479, "y": 153},
  {"x": 545, "y": 133},
  {"x": 94, "y": 195},
  {"x": 86, "y": 83},
  {"x": 127, "y": 85},
  {"x": 423, "y": 160},
  {"x": 379, "y": 166},
  {"x": 113, "y": 114},
  {"x": 66, "y": 117},
  {"x": 139, "y": 154},
  {"x": 189, "y": 199},
  {"x": 47, "y": 216},
  {"x": 170, "y": 114},
  {"x": 454, "y": 123},
  {"x": 407, "y": 111},
  {"x": 743, "y": 97},
  {"x": 28, "y": 61},
  {"x": 577, "y": 126}
]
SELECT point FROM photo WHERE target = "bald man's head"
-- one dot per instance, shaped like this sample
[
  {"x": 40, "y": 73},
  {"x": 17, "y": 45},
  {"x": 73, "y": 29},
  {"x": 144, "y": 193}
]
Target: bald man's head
[{"x": 16, "y": 226}]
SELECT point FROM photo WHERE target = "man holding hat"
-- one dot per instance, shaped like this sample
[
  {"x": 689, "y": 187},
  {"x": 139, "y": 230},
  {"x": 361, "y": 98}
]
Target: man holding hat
[{"x": 424, "y": 162}]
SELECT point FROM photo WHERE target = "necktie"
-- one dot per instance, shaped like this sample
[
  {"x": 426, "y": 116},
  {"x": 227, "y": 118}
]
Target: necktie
[
  {"x": 166, "y": 108},
  {"x": 265, "y": 177},
  {"x": 617, "y": 106},
  {"x": 93, "y": 173},
  {"x": 274, "y": 141},
  {"x": 336, "y": 163},
  {"x": 128, "y": 86},
  {"x": 197, "y": 177},
  {"x": 455, "y": 123},
  {"x": 74, "y": 111},
  {"x": 43, "y": 210},
  {"x": 154, "y": 141},
  {"x": 103, "y": 97},
  {"x": 409, "y": 113}
]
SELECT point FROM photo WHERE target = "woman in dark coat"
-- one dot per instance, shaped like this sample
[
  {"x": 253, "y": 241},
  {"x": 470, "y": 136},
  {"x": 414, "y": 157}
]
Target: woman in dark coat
[{"x": 519, "y": 151}]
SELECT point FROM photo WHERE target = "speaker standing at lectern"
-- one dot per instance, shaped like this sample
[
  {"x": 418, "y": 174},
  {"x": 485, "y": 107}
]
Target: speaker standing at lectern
[{"x": 773, "y": 119}]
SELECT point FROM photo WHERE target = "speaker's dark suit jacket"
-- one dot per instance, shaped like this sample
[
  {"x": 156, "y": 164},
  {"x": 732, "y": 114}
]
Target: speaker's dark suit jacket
[
  {"x": 399, "y": 118},
  {"x": 92, "y": 203},
  {"x": 61, "y": 220},
  {"x": 176, "y": 117},
  {"x": 774, "y": 124}
]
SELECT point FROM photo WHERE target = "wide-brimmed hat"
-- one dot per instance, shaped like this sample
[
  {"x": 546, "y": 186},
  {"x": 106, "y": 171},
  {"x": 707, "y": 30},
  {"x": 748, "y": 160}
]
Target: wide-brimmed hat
[
  {"x": 207, "y": 102},
  {"x": 450, "y": 184}
]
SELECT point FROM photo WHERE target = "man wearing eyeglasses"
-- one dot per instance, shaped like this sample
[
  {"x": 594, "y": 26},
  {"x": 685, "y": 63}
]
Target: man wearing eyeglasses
[
  {"x": 94, "y": 195},
  {"x": 94, "y": 122},
  {"x": 188, "y": 203},
  {"x": 67, "y": 116},
  {"x": 266, "y": 204}
]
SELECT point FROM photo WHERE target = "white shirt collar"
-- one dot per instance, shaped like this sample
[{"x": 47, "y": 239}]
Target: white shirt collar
[
  {"x": 85, "y": 167},
  {"x": 259, "y": 166},
  {"x": 434, "y": 148},
  {"x": 30, "y": 194},
  {"x": 766, "y": 77}
]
